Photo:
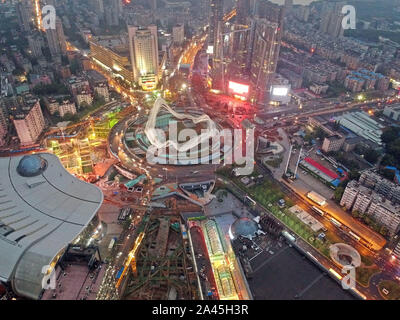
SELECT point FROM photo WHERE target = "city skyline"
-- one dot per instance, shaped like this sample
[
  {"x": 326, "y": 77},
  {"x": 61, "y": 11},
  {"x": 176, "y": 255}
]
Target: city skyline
[{"x": 206, "y": 150}]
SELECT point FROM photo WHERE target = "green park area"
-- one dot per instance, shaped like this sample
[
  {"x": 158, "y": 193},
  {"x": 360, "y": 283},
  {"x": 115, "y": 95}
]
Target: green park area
[
  {"x": 393, "y": 289},
  {"x": 364, "y": 274},
  {"x": 366, "y": 271},
  {"x": 267, "y": 194}
]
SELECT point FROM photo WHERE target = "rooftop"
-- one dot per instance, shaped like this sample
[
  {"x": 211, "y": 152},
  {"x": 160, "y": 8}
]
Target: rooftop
[{"x": 43, "y": 208}]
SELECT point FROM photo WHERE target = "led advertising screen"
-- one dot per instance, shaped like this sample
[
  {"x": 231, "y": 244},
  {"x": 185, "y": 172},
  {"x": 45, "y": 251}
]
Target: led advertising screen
[
  {"x": 238, "y": 88},
  {"x": 280, "y": 91}
]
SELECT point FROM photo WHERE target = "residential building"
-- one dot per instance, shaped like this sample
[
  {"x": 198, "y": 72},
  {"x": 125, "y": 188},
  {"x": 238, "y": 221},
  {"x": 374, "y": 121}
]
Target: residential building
[
  {"x": 364, "y": 200},
  {"x": 178, "y": 34},
  {"x": 84, "y": 97},
  {"x": 392, "y": 112},
  {"x": 27, "y": 118},
  {"x": 102, "y": 90},
  {"x": 332, "y": 143}
]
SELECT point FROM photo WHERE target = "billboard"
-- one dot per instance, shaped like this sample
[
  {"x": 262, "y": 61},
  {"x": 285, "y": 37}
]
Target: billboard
[
  {"x": 279, "y": 94},
  {"x": 210, "y": 49},
  {"x": 280, "y": 91},
  {"x": 240, "y": 89}
]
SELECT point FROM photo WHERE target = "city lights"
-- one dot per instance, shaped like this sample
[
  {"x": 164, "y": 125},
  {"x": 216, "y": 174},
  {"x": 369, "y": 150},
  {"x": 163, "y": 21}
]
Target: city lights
[{"x": 199, "y": 151}]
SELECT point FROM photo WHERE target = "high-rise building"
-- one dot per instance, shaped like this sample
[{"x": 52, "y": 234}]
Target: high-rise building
[
  {"x": 112, "y": 11},
  {"x": 98, "y": 7},
  {"x": 331, "y": 19},
  {"x": 243, "y": 11},
  {"x": 61, "y": 36},
  {"x": 56, "y": 39},
  {"x": 3, "y": 124},
  {"x": 215, "y": 38},
  {"x": 266, "y": 39},
  {"x": 24, "y": 11},
  {"x": 27, "y": 118},
  {"x": 35, "y": 45},
  {"x": 143, "y": 46},
  {"x": 178, "y": 33},
  {"x": 153, "y": 4},
  {"x": 364, "y": 200}
]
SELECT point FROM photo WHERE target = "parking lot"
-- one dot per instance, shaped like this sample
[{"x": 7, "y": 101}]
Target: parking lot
[{"x": 280, "y": 272}]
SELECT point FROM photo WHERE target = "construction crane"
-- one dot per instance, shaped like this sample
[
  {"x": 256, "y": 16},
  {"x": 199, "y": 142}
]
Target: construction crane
[{"x": 131, "y": 260}]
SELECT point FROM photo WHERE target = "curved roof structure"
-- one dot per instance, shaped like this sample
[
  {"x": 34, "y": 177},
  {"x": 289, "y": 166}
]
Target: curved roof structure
[
  {"x": 42, "y": 209},
  {"x": 153, "y": 134}
]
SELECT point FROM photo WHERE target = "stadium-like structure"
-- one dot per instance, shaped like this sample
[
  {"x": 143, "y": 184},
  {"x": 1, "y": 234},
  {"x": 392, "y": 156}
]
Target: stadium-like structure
[
  {"x": 152, "y": 135},
  {"x": 43, "y": 208}
]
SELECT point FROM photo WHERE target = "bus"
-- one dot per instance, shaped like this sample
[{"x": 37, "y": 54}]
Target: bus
[
  {"x": 317, "y": 198},
  {"x": 319, "y": 211},
  {"x": 354, "y": 236},
  {"x": 250, "y": 201},
  {"x": 335, "y": 222},
  {"x": 288, "y": 236},
  {"x": 112, "y": 243}
]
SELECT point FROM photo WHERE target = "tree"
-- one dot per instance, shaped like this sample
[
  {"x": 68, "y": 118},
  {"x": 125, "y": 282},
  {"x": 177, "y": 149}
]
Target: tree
[
  {"x": 355, "y": 214},
  {"x": 354, "y": 175},
  {"x": 390, "y": 135},
  {"x": 371, "y": 156},
  {"x": 384, "y": 231},
  {"x": 338, "y": 193},
  {"x": 389, "y": 160}
]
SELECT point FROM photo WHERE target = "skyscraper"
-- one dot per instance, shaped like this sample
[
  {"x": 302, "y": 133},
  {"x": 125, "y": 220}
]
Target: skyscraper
[
  {"x": 112, "y": 11},
  {"x": 331, "y": 19},
  {"x": 25, "y": 14},
  {"x": 215, "y": 37},
  {"x": 3, "y": 123},
  {"x": 143, "y": 47},
  {"x": 34, "y": 41},
  {"x": 56, "y": 39},
  {"x": 243, "y": 11},
  {"x": 178, "y": 33},
  {"x": 265, "y": 47},
  {"x": 61, "y": 36},
  {"x": 217, "y": 14},
  {"x": 97, "y": 6}
]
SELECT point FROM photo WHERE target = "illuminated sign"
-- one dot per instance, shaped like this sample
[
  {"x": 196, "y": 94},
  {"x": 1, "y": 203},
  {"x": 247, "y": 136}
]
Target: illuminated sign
[
  {"x": 238, "y": 88},
  {"x": 280, "y": 91},
  {"x": 210, "y": 49}
]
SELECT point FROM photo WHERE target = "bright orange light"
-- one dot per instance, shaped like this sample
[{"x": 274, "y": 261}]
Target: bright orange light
[{"x": 238, "y": 88}]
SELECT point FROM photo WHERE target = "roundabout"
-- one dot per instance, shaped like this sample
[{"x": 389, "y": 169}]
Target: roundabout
[{"x": 178, "y": 142}]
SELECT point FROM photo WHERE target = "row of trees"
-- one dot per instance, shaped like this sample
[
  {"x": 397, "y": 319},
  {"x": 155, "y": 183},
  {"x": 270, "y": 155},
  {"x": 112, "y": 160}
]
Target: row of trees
[
  {"x": 369, "y": 221},
  {"x": 391, "y": 137}
]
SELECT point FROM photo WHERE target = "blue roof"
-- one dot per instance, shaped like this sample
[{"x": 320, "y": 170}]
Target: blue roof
[
  {"x": 32, "y": 165},
  {"x": 244, "y": 227}
]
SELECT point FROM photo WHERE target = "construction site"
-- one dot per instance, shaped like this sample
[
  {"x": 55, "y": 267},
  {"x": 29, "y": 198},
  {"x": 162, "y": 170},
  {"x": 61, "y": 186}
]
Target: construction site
[
  {"x": 83, "y": 145},
  {"x": 160, "y": 265}
]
